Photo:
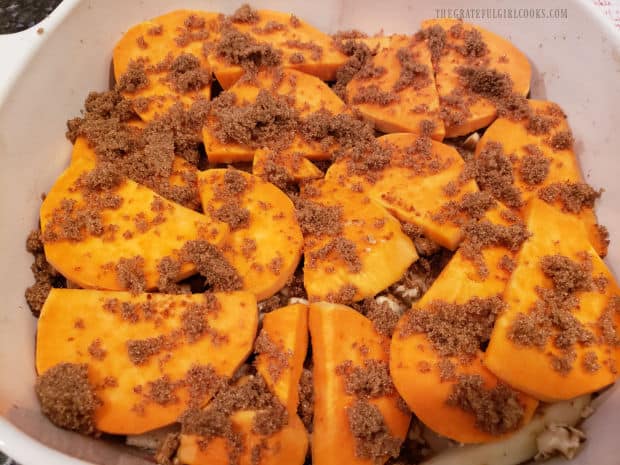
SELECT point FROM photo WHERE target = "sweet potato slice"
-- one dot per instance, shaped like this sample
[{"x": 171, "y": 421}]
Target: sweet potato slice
[
  {"x": 425, "y": 377},
  {"x": 281, "y": 347},
  {"x": 140, "y": 347},
  {"x": 540, "y": 149},
  {"x": 344, "y": 339},
  {"x": 396, "y": 90},
  {"x": 348, "y": 238},
  {"x": 264, "y": 240},
  {"x": 91, "y": 244},
  {"x": 422, "y": 176},
  {"x": 576, "y": 352},
  {"x": 153, "y": 57},
  {"x": 287, "y": 446},
  {"x": 470, "y": 47},
  {"x": 301, "y": 46},
  {"x": 306, "y": 95},
  {"x": 284, "y": 167}
]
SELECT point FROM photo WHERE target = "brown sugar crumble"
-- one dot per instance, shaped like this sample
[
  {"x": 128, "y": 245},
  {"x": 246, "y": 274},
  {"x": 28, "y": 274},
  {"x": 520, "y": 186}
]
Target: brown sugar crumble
[
  {"x": 494, "y": 173},
  {"x": 317, "y": 219},
  {"x": 473, "y": 45},
  {"x": 187, "y": 75},
  {"x": 455, "y": 329},
  {"x": 383, "y": 318},
  {"x": 573, "y": 196},
  {"x": 235, "y": 216},
  {"x": 412, "y": 74},
  {"x": 367, "y": 381},
  {"x": 67, "y": 398},
  {"x": 359, "y": 57},
  {"x": 241, "y": 49},
  {"x": 96, "y": 350},
  {"x": 535, "y": 166},
  {"x": 339, "y": 247},
  {"x": 211, "y": 263},
  {"x": 278, "y": 358},
  {"x": 372, "y": 94},
  {"x": 562, "y": 140},
  {"x": 245, "y": 14},
  {"x": 436, "y": 40},
  {"x": 305, "y": 409},
  {"x": 130, "y": 273},
  {"x": 134, "y": 79},
  {"x": 497, "y": 410},
  {"x": 373, "y": 439}
]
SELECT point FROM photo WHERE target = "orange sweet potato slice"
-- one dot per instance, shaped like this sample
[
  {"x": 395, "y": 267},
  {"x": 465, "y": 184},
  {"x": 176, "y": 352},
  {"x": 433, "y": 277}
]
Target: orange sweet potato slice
[
  {"x": 282, "y": 346},
  {"x": 419, "y": 370},
  {"x": 88, "y": 243},
  {"x": 348, "y": 238},
  {"x": 282, "y": 168},
  {"x": 524, "y": 350},
  {"x": 342, "y": 337},
  {"x": 396, "y": 90},
  {"x": 287, "y": 446},
  {"x": 540, "y": 149},
  {"x": 305, "y": 93},
  {"x": 302, "y": 47},
  {"x": 415, "y": 184},
  {"x": 136, "y": 344},
  {"x": 264, "y": 240},
  {"x": 470, "y": 46},
  {"x": 156, "y": 44}
]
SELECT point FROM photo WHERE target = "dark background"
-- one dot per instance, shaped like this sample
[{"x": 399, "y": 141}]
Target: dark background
[{"x": 17, "y": 15}]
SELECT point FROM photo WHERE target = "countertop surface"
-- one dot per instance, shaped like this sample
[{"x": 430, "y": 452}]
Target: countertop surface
[{"x": 17, "y": 15}]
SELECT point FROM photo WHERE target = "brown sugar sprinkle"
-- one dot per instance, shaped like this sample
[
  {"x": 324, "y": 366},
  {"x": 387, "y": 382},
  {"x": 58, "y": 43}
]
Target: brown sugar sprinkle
[
  {"x": 96, "y": 350},
  {"x": 485, "y": 82},
  {"x": 245, "y": 14},
  {"x": 563, "y": 363},
  {"x": 155, "y": 30},
  {"x": 447, "y": 370},
  {"x": 130, "y": 274},
  {"x": 436, "y": 38},
  {"x": 454, "y": 109},
  {"x": 472, "y": 206},
  {"x": 497, "y": 410},
  {"x": 193, "y": 30},
  {"x": 211, "y": 263},
  {"x": 195, "y": 324},
  {"x": 562, "y": 140},
  {"x": 316, "y": 51},
  {"x": 140, "y": 351},
  {"x": 296, "y": 58},
  {"x": 317, "y": 219},
  {"x": 235, "y": 216},
  {"x": 424, "y": 366},
  {"x": 275, "y": 265},
  {"x": 507, "y": 264},
  {"x": 359, "y": 56},
  {"x": 134, "y": 79},
  {"x": 187, "y": 75},
  {"x": 340, "y": 247},
  {"x": 573, "y": 196},
  {"x": 266, "y": 121},
  {"x": 161, "y": 391},
  {"x": 203, "y": 382},
  {"x": 372, "y": 94},
  {"x": 567, "y": 276},
  {"x": 168, "y": 449},
  {"x": 540, "y": 124},
  {"x": 344, "y": 295},
  {"x": 373, "y": 439},
  {"x": 423, "y": 245},
  {"x": 241, "y": 49},
  {"x": 141, "y": 42},
  {"x": 67, "y": 398},
  {"x": 412, "y": 73},
  {"x": 305, "y": 409},
  {"x": 383, "y": 318},
  {"x": 279, "y": 359},
  {"x": 269, "y": 28},
  {"x": 484, "y": 234},
  {"x": 169, "y": 271},
  {"x": 534, "y": 166},
  {"x": 44, "y": 274},
  {"x": 367, "y": 381},
  {"x": 590, "y": 362},
  {"x": 473, "y": 44},
  {"x": 494, "y": 173},
  {"x": 606, "y": 322},
  {"x": 455, "y": 329}
]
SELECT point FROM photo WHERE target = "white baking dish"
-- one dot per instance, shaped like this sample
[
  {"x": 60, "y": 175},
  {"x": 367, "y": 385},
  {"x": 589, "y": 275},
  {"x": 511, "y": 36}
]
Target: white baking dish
[{"x": 45, "y": 77}]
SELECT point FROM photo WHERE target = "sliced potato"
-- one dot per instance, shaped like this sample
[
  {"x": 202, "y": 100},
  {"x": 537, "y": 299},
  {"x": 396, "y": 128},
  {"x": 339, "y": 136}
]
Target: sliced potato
[
  {"x": 129, "y": 364},
  {"x": 264, "y": 240},
  {"x": 348, "y": 262},
  {"x": 340, "y": 335},
  {"x": 161, "y": 40},
  {"x": 500, "y": 55},
  {"x": 588, "y": 366},
  {"x": 414, "y": 185},
  {"x": 145, "y": 228},
  {"x": 281, "y": 356},
  {"x": 553, "y": 142},
  {"x": 396, "y": 90}
]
